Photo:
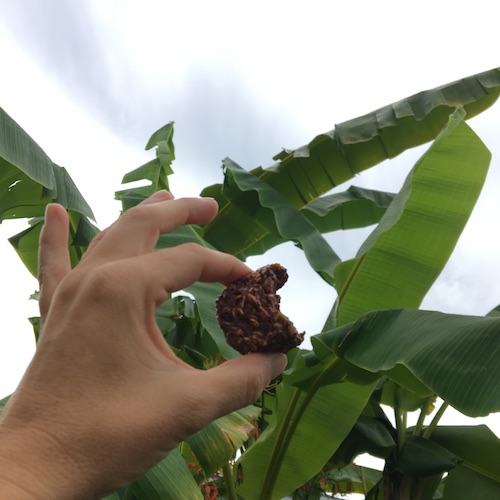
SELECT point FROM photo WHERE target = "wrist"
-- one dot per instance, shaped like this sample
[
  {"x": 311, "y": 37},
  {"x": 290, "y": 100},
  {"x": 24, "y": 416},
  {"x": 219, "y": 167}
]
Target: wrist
[{"x": 31, "y": 465}]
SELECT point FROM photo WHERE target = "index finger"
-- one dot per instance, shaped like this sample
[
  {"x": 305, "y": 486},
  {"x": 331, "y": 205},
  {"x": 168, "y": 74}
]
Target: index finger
[{"x": 137, "y": 230}]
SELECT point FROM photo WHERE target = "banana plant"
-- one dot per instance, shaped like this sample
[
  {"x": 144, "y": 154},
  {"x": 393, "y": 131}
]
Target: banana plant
[{"x": 377, "y": 349}]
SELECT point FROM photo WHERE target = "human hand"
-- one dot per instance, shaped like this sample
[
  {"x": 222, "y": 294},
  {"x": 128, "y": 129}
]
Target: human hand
[{"x": 104, "y": 398}]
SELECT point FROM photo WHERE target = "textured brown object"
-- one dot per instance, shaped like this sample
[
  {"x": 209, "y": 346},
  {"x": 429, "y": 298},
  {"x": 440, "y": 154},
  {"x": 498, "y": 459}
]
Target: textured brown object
[{"x": 249, "y": 314}]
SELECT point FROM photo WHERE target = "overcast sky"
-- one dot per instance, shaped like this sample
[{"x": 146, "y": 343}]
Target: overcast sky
[{"x": 91, "y": 80}]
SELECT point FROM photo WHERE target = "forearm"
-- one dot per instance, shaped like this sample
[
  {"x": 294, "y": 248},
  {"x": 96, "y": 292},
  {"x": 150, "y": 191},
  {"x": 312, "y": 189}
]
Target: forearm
[
  {"x": 31, "y": 463},
  {"x": 17, "y": 479}
]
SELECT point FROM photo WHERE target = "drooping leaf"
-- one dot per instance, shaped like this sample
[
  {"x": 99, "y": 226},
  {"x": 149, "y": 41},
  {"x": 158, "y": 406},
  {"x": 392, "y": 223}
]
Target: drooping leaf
[
  {"x": 463, "y": 483},
  {"x": 18, "y": 149},
  {"x": 304, "y": 174},
  {"x": 396, "y": 396},
  {"x": 456, "y": 357},
  {"x": 369, "y": 435},
  {"x": 28, "y": 181},
  {"x": 171, "y": 479},
  {"x": 354, "y": 208},
  {"x": 26, "y": 242},
  {"x": 420, "y": 457},
  {"x": 274, "y": 212},
  {"x": 401, "y": 259},
  {"x": 23, "y": 162},
  {"x": 477, "y": 445},
  {"x": 218, "y": 442},
  {"x": 311, "y": 424}
]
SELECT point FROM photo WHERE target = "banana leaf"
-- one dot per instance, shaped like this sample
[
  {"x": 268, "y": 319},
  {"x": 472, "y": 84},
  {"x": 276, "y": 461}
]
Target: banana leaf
[
  {"x": 420, "y": 457},
  {"x": 205, "y": 295},
  {"x": 456, "y": 357},
  {"x": 171, "y": 479},
  {"x": 404, "y": 255},
  {"x": 216, "y": 444},
  {"x": 354, "y": 208},
  {"x": 280, "y": 217},
  {"x": 156, "y": 171},
  {"x": 332, "y": 158},
  {"x": 28, "y": 181},
  {"x": 309, "y": 423},
  {"x": 352, "y": 479},
  {"x": 479, "y": 473}
]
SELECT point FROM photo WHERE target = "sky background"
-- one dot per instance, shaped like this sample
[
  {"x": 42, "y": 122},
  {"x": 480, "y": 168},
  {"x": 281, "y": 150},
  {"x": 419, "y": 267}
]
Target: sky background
[{"x": 90, "y": 81}]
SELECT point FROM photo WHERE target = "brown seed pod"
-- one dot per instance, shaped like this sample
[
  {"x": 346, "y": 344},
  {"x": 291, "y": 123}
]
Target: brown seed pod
[{"x": 249, "y": 314}]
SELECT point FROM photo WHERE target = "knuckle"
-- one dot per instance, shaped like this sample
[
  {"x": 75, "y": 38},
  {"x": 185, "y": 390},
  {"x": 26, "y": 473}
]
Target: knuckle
[
  {"x": 96, "y": 285},
  {"x": 192, "y": 248},
  {"x": 137, "y": 212}
]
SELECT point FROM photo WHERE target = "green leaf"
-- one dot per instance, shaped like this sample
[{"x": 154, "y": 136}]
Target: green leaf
[
  {"x": 456, "y": 357},
  {"x": 399, "y": 397},
  {"x": 421, "y": 457},
  {"x": 476, "y": 445},
  {"x": 407, "y": 251},
  {"x": 274, "y": 212},
  {"x": 353, "y": 479},
  {"x": 26, "y": 242},
  {"x": 369, "y": 435},
  {"x": 28, "y": 181},
  {"x": 205, "y": 295},
  {"x": 354, "y": 208},
  {"x": 157, "y": 170},
  {"x": 18, "y": 149},
  {"x": 171, "y": 479},
  {"x": 463, "y": 483},
  {"x": 332, "y": 158},
  {"x": 308, "y": 424},
  {"x": 218, "y": 442},
  {"x": 494, "y": 312}
]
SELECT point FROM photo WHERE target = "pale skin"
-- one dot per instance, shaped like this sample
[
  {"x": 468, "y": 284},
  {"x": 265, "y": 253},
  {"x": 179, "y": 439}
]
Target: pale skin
[{"x": 104, "y": 398}]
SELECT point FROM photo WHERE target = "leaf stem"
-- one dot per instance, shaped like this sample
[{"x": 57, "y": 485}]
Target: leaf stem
[
  {"x": 417, "y": 431},
  {"x": 432, "y": 426},
  {"x": 279, "y": 450},
  {"x": 363, "y": 480},
  {"x": 400, "y": 417},
  {"x": 228, "y": 481},
  {"x": 288, "y": 429}
]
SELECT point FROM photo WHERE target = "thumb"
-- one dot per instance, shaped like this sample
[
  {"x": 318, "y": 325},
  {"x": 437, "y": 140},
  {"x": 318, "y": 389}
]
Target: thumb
[
  {"x": 53, "y": 256},
  {"x": 239, "y": 382}
]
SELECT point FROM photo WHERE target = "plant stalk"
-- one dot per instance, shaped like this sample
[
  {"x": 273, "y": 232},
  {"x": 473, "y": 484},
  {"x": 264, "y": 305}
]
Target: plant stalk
[
  {"x": 228, "y": 481},
  {"x": 288, "y": 430},
  {"x": 417, "y": 431},
  {"x": 432, "y": 426},
  {"x": 400, "y": 417}
]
